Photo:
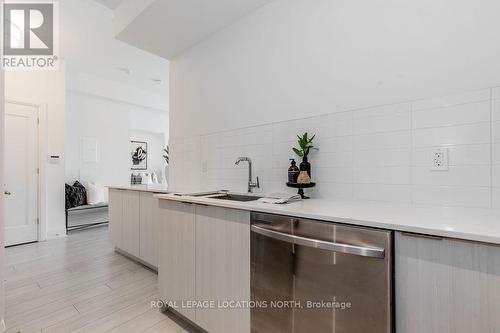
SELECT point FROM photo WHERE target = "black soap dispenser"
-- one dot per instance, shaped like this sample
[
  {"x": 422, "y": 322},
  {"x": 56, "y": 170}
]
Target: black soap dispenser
[{"x": 293, "y": 172}]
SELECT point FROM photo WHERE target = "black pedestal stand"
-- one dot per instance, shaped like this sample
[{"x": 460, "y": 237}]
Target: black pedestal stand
[{"x": 301, "y": 188}]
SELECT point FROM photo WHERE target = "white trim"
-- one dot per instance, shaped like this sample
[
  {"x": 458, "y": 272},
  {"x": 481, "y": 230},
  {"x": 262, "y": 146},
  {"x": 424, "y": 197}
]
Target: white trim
[
  {"x": 3, "y": 328},
  {"x": 42, "y": 177},
  {"x": 42, "y": 149}
]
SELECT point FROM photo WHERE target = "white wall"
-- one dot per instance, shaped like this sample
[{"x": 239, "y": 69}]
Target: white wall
[
  {"x": 148, "y": 120},
  {"x": 105, "y": 121},
  {"x": 376, "y": 81},
  {"x": 112, "y": 124},
  {"x": 46, "y": 88},
  {"x": 298, "y": 58}
]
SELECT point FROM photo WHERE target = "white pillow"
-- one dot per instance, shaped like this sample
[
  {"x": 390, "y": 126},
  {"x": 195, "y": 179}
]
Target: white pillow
[{"x": 95, "y": 193}]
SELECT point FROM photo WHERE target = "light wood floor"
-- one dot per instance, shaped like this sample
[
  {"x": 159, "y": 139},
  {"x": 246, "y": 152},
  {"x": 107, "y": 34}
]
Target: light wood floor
[{"x": 79, "y": 284}]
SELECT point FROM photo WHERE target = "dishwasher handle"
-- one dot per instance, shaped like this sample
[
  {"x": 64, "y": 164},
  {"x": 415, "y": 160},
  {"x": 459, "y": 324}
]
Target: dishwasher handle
[{"x": 372, "y": 252}]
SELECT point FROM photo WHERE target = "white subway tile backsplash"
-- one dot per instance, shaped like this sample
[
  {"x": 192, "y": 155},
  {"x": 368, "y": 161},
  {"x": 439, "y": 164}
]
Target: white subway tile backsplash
[
  {"x": 283, "y": 148},
  {"x": 495, "y": 135},
  {"x": 340, "y": 159},
  {"x": 496, "y": 153},
  {"x": 455, "y": 135},
  {"x": 288, "y": 131},
  {"x": 382, "y": 175},
  {"x": 457, "y": 155},
  {"x": 382, "y": 153},
  {"x": 390, "y": 122},
  {"x": 453, "y": 115},
  {"x": 332, "y": 190},
  {"x": 456, "y": 176},
  {"x": 495, "y": 113},
  {"x": 495, "y": 93},
  {"x": 337, "y": 124},
  {"x": 452, "y": 196},
  {"x": 332, "y": 175},
  {"x": 280, "y": 175},
  {"x": 382, "y": 192},
  {"x": 456, "y": 99},
  {"x": 283, "y": 132},
  {"x": 282, "y": 162},
  {"x": 385, "y": 157},
  {"x": 278, "y": 186},
  {"x": 391, "y": 140},
  {"x": 334, "y": 145},
  {"x": 496, "y": 197},
  {"x": 248, "y": 136},
  {"x": 496, "y": 176},
  {"x": 326, "y": 126}
]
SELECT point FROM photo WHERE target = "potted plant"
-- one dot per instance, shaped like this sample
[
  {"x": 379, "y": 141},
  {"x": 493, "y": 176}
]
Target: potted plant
[{"x": 305, "y": 147}]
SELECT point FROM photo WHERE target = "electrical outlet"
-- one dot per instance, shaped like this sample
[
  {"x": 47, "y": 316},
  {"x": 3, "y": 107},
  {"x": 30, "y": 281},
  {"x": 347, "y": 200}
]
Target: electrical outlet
[
  {"x": 440, "y": 159},
  {"x": 204, "y": 167}
]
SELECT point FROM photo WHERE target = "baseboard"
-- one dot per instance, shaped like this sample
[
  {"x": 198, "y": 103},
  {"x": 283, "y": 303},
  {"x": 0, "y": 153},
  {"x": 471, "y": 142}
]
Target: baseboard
[
  {"x": 56, "y": 234},
  {"x": 138, "y": 260}
]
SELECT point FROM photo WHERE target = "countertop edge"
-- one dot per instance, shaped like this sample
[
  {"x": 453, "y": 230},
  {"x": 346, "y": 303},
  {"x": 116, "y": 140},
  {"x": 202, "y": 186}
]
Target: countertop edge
[
  {"x": 140, "y": 188},
  {"x": 467, "y": 235}
]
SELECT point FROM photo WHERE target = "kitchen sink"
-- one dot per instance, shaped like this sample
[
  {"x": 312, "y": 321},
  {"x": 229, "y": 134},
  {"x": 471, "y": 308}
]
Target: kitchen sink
[
  {"x": 234, "y": 197},
  {"x": 224, "y": 195}
]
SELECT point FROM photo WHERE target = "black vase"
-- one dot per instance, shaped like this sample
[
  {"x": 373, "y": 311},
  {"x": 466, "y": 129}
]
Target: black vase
[{"x": 305, "y": 166}]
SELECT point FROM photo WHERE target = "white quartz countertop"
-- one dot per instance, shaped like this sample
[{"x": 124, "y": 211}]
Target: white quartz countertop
[
  {"x": 475, "y": 224},
  {"x": 142, "y": 188}
]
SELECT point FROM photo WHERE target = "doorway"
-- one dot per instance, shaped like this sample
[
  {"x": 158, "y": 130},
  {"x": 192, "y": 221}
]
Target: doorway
[{"x": 21, "y": 173}]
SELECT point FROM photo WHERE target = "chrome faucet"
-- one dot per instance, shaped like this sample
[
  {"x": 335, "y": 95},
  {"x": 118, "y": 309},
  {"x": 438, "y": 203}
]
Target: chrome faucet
[{"x": 251, "y": 184}]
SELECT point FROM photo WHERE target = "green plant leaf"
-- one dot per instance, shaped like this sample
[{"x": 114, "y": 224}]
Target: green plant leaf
[
  {"x": 305, "y": 144},
  {"x": 298, "y": 152}
]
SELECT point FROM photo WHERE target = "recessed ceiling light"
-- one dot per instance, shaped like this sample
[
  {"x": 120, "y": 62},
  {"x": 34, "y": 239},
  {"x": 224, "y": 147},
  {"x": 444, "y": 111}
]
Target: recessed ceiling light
[{"x": 157, "y": 81}]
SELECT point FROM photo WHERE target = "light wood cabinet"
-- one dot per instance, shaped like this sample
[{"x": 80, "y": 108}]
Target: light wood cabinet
[
  {"x": 134, "y": 224},
  {"x": 446, "y": 286},
  {"x": 130, "y": 223},
  {"x": 115, "y": 216},
  {"x": 176, "y": 266},
  {"x": 205, "y": 257},
  {"x": 222, "y": 267},
  {"x": 149, "y": 227}
]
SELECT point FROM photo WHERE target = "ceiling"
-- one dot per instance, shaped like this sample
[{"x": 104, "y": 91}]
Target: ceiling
[
  {"x": 150, "y": 32},
  {"x": 111, "y": 4},
  {"x": 90, "y": 47},
  {"x": 168, "y": 27}
]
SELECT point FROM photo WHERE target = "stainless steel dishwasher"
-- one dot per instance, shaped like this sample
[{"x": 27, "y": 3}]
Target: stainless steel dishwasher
[{"x": 310, "y": 276}]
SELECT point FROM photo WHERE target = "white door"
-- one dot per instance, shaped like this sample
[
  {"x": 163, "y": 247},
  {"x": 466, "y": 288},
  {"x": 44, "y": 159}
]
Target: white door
[{"x": 21, "y": 174}]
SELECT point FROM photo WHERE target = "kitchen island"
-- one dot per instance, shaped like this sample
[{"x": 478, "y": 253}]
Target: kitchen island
[
  {"x": 446, "y": 260},
  {"x": 133, "y": 222}
]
